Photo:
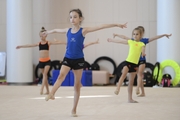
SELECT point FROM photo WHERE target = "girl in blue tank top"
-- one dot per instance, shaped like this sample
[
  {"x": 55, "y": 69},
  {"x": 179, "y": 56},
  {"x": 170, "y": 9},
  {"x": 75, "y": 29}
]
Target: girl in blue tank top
[
  {"x": 142, "y": 60},
  {"x": 74, "y": 57}
]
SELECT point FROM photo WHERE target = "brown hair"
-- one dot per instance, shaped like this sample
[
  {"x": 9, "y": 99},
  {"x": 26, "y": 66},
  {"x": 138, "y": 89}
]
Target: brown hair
[
  {"x": 78, "y": 11},
  {"x": 43, "y": 29}
]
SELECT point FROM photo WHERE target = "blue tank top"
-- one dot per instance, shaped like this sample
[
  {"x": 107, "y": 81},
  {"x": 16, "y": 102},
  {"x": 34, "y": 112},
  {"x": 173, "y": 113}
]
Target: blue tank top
[
  {"x": 74, "y": 49},
  {"x": 145, "y": 41}
]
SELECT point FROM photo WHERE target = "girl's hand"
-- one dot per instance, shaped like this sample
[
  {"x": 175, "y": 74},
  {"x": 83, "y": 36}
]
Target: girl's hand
[
  {"x": 55, "y": 40},
  {"x": 143, "y": 55},
  {"x": 114, "y": 35},
  {"x": 109, "y": 40},
  {"x": 97, "y": 41},
  {"x": 45, "y": 33},
  {"x": 18, "y": 47},
  {"x": 168, "y": 35},
  {"x": 122, "y": 26}
]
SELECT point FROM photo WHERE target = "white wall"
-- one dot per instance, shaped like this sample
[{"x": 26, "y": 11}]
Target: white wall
[{"x": 54, "y": 14}]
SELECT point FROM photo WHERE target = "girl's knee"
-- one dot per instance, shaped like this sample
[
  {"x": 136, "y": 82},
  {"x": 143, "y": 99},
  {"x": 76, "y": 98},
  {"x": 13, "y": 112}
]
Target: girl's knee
[
  {"x": 123, "y": 76},
  {"x": 140, "y": 74},
  {"x": 45, "y": 75},
  {"x": 61, "y": 76},
  {"x": 77, "y": 85}
]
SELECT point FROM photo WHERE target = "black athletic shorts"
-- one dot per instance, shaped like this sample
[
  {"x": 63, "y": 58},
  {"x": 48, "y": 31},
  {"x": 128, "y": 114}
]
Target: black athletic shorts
[
  {"x": 74, "y": 64},
  {"x": 141, "y": 62},
  {"x": 43, "y": 64},
  {"x": 132, "y": 67}
]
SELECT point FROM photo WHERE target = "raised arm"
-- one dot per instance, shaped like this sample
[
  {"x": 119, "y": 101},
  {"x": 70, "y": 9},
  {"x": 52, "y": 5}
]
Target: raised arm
[
  {"x": 26, "y": 46},
  {"x": 121, "y": 36},
  {"x": 159, "y": 36},
  {"x": 117, "y": 41},
  {"x": 104, "y": 26},
  {"x": 91, "y": 43}
]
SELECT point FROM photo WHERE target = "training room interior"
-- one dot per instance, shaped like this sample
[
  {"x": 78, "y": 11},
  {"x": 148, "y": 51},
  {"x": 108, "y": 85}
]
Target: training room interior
[{"x": 20, "y": 79}]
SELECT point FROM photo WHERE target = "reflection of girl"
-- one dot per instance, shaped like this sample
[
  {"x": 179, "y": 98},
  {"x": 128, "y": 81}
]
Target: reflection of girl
[
  {"x": 131, "y": 65},
  {"x": 44, "y": 59}
]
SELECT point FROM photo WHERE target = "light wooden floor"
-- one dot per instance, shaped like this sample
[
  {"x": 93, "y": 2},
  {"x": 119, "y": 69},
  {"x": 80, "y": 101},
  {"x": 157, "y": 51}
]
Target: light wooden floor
[{"x": 96, "y": 103}]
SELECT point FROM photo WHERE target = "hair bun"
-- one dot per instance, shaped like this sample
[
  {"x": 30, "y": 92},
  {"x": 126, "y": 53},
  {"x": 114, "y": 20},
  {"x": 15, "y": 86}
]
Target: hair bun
[{"x": 43, "y": 29}]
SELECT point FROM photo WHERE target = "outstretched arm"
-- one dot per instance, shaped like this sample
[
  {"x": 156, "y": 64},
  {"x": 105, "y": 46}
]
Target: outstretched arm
[
  {"x": 158, "y": 37},
  {"x": 55, "y": 31},
  {"x": 26, "y": 46},
  {"x": 91, "y": 43},
  {"x": 104, "y": 26},
  {"x": 121, "y": 36},
  {"x": 117, "y": 41},
  {"x": 56, "y": 42}
]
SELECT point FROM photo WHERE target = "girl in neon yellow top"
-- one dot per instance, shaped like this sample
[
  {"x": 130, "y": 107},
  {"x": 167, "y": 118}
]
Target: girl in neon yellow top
[
  {"x": 135, "y": 49},
  {"x": 142, "y": 61}
]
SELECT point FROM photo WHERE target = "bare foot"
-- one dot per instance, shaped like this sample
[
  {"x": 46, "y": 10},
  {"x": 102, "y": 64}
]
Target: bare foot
[
  {"x": 137, "y": 92},
  {"x": 132, "y": 101},
  {"x": 116, "y": 92},
  {"x": 73, "y": 114},
  {"x": 49, "y": 96},
  {"x": 41, "y": 92},
  {"x": 46, "y": 93},
  {"x": 141, "y": 95}
]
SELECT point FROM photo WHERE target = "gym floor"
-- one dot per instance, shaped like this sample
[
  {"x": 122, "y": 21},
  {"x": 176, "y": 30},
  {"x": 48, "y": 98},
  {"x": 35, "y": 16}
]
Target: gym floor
[{"x": 96, "y": 103}]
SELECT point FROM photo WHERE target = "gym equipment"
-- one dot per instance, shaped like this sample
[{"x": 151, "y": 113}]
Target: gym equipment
[
  {"x": 56, "y": 64},
  {"x": 156, "y": 73},
  {"x": 148, "y": 82},
  {"x": 94, "y": 66},
  {"x": 108, "y": 59},
  {"x": 166, "y": 80},
  {"x": 175, "y": 66},
  {"x": 149, "y": 66},
  {"x": 100, "y": 77},
  {"x": 87, "y": 66}
]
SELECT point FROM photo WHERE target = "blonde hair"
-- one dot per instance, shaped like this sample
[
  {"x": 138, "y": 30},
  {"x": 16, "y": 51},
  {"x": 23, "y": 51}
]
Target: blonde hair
[
  {"x": 142, "y": 28},
  {"x": 140, "y": 31}
]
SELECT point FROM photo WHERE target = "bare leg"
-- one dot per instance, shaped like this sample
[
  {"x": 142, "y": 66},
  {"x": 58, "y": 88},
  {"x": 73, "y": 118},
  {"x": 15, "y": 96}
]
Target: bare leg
[
  {"x": 45, "y": 78},
  {"x": 130, "y": 87},
  {"x": 63, "y": 72},
  {"x": 43, "y": 84},
  {"x": 142, "y": 89},
  {"x": 121, "y": 79},
  {"x": 140, "y": 80},
  {"x": 77, "y": 86}
]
